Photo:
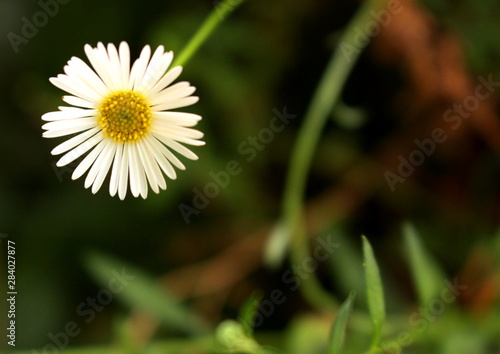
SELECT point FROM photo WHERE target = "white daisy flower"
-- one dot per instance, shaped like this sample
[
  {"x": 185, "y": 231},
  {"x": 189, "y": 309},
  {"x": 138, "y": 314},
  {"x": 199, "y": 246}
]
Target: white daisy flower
[{"x": 121, "y": 117}]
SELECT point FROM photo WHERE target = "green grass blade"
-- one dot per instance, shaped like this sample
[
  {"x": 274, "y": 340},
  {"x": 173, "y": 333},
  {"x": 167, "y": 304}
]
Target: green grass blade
[
  {"x": 427, "y": 276},
  {"x": 141, "y": 291},
  {"x": 374, "y": 292},
  {"x": 346, "y": 267},
  {"x": 339, "y": 327},
  {"x": 248, "y": 311}
]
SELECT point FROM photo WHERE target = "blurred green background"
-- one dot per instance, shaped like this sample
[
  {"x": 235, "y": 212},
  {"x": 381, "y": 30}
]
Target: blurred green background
[{"x": 267, "y": 55}]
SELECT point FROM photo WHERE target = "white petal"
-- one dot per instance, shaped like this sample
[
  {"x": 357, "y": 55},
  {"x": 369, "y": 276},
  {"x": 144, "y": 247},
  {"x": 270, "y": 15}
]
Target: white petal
[
  {"x": 143, "y": 181},
  {"x": 155, "y": 168},
  {"x": 105, "y": 165},
  {"x": 179, "y": 90},
  {"x": 114, "y": 67},
  {"x": 176, "y": 103},
  {"x": 71, "y": 108},
  {"x": 169, "y": 77},
  {"x": 185, "y": 140},
  {"x": 80, "y": 150},
  {"x": 98, "y": 163},
  {"x": 115, "y": 171},
  {"x": 70, "y": 129},
  {"x": 124, "y": 63},
  {"x": 177, "y": 118},
  {"x": 99, "y": 60},
  {"x": 106, "y": 63},
  {"x": 74, "y": 87},
  {"x": 123, "y": 180},
  {"x": 153, "y": 71},
  {"x": 68, "y": 123},
  {"x": 162, "y": 161},
  {"x": 167, "y": 154},
  {"x": 88, "y": 160},
  {"x": 137, "y": 178},
  {"x": 134, "y": 179},
  {"x": 74, "y": 141},
  {"x": 181, "y": 138},
  {"x": 175, "y": 131},
  {"x": 79, "y": 102},
  {"x": 139, "y": 68},
  {"x": 148, "y": 166},
  {"x": 177, "y": 147},
  {"x": 156, "y": 69},
  {"x": 69, "y": 114},
  {"x": 78, "y": 69}
]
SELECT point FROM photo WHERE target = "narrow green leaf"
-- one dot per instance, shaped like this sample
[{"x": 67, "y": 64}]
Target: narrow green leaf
[
  {"x": 346, "y": 267},
  {"x": 427, "y": 276},
  {"x": 340, "y": 324},
  {"x": 374, "y": 292},
  {"x": 248, "y": 311},
  {"x": 137, "y": 289}
]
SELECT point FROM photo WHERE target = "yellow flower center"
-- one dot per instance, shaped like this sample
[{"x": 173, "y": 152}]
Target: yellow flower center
[{"x": 124, "y": 116}]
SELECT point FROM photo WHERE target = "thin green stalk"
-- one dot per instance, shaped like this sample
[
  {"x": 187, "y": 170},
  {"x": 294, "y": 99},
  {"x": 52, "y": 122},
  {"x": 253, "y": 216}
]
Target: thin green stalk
[
  {"x": 310, "y": 286},
  {"x": 220, "y": 12},
  {"x": 374, "y": 293},
  {"x": 320, "y": 108}
]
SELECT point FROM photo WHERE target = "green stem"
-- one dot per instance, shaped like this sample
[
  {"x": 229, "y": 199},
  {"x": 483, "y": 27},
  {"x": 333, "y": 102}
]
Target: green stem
[
  {"x": 320, "y": 108},
  {"x": 311, "y": 288},
  {"x": 220, "y": 12}
]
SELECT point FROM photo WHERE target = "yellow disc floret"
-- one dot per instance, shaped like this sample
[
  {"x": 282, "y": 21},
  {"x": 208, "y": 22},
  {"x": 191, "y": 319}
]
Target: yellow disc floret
[{"x": 124, "y": 116}]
